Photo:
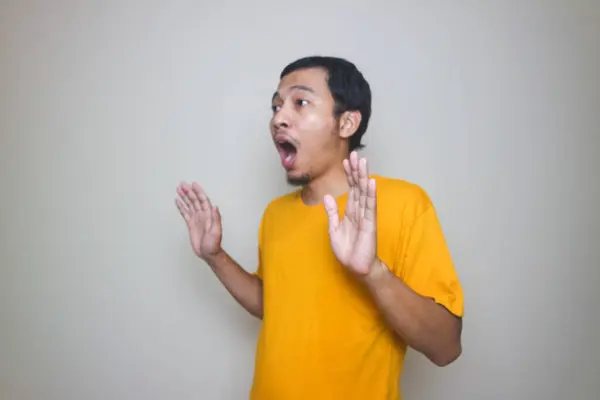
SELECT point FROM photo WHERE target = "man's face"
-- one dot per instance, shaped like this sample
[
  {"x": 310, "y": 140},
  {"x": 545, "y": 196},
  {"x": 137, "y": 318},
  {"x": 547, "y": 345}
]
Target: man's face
[{"x": 303, "y": 126}]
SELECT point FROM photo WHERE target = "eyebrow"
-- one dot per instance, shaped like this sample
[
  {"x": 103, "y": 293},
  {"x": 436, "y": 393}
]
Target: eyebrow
[{"x": 296, "y": 87}]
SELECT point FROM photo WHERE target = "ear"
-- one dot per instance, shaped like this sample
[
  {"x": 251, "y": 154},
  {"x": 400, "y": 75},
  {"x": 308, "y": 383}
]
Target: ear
[{"x": 349, "y": 122}]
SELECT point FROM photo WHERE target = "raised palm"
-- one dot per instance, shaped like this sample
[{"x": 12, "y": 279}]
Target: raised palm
[
  {"x": 354, "y": 238},
  {"x": 202, "y": 219}
]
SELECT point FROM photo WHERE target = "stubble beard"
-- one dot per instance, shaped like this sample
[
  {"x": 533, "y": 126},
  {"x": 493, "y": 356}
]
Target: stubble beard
[{"x": 300, "y": 181}]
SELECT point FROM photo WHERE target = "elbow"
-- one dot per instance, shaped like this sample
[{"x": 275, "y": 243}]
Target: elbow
[
  {"x": 258, "y": 313},
  {"x": 451, "y": 349},
  {"x": 447, "y": 356}
]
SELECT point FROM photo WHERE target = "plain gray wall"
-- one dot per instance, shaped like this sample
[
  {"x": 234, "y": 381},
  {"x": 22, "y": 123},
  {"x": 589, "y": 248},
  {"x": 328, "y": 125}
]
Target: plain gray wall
[{"x": 492, "y": 107}]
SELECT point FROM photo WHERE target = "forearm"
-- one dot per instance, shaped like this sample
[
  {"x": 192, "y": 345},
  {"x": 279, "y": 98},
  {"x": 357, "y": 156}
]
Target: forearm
[
  {"x": 423, "y": 324},
  {"x": 245, "y": 288}
]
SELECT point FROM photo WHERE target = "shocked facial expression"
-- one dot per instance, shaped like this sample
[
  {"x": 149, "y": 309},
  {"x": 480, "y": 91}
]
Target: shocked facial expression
[{"x": 303, "y": 127}]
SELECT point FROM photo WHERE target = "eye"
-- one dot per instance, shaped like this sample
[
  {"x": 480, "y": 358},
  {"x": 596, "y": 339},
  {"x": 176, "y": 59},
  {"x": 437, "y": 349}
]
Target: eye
[
  {"x": 301, "y": 102},
  {"x": 275, "y": 108}
]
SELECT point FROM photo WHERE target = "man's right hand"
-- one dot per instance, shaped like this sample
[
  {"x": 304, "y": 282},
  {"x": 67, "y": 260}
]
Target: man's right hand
[{"x": 202, "y": 219}]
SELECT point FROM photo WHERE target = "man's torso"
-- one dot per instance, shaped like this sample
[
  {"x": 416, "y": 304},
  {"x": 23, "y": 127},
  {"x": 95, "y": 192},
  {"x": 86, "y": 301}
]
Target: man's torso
[{"x": 322, "y": 335}]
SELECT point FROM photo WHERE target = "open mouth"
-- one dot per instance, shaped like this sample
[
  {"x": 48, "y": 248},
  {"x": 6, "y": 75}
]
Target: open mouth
[{"x": 287, "y": 152}]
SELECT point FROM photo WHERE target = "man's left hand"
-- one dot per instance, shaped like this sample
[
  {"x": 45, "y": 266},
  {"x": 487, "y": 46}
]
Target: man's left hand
[{"x": 354, "y": 238}]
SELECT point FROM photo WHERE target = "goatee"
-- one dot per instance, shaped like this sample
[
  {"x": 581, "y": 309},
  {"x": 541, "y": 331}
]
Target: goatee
[{"x": 299, "y": 181}]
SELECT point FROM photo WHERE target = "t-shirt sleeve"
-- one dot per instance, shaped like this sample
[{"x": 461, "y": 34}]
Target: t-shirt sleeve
[{"x": 425, "y": 264}]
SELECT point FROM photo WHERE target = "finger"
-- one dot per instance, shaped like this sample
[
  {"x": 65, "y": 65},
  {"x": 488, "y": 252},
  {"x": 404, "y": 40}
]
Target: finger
[
  {"x": 182, "y": 191},
  {"x": 348, "y": 170},
  {"x": 351, "y": 204},
  {"x": 371, "y": 203},
  {"x": 192, "y": 198},
  {"x": 363, "y": 178},
  {"x": 332, "y": 212},
  {"x": 204, "y": 204},
  {"x": 354, "y": 166},
  {"x": 356, "y": 214},
  {"x": 201, "y": 196},
  {"x": 183, "y": 210},
  {"x": 363, "y": 175}
]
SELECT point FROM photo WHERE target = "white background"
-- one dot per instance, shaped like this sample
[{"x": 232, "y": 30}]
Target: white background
[{"x": 492, "y": 107}]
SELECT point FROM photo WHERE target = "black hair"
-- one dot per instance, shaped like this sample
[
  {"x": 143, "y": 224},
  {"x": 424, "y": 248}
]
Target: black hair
[{"x": 349, "y": 88}]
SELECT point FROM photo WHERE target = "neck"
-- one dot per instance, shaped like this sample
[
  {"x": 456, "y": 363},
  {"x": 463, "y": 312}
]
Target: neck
[{"x": 334, "y": 182}]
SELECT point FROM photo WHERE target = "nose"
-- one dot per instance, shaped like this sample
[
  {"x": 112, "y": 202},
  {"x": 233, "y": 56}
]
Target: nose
[{"x": 281, "y": 118}]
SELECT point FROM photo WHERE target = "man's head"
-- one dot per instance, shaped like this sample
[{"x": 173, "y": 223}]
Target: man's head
[{"x": 321, "y": 110}]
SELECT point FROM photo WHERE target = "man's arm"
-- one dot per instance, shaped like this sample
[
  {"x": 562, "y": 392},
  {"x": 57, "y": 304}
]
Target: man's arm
[
  {"x": 423, "y": 324},
  {"x": 422, "y": 269},
  {"x": 203, "y": 221},
  {"x": 246, "y": 288}
]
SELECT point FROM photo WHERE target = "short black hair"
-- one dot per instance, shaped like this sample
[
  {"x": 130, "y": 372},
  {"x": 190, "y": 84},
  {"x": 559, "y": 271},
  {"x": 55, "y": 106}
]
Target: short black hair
[{"x": 349, "y": 88}]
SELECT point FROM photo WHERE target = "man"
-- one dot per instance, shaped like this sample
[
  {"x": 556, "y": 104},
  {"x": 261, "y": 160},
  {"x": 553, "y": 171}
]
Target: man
[{"x": 353, "y": 268}]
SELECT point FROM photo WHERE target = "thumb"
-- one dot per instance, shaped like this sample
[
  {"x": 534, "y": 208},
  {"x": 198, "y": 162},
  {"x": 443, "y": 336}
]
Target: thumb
[
  {"x": 332, "y": 212},
  {"x": 216, "y": 217}
]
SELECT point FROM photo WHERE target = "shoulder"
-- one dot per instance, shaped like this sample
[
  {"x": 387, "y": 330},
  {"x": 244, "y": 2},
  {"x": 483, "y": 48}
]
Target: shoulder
[
  {"x": 401, "y": 191},
  {"x": 404, "y": 199}
]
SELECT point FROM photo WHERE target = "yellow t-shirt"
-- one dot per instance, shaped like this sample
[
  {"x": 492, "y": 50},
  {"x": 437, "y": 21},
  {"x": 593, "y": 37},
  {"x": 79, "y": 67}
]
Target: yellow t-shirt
[{"x": 322, "y": 335}]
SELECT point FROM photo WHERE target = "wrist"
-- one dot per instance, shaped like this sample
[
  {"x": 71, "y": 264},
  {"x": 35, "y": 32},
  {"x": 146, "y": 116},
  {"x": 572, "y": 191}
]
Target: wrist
[
  {"x": 377, "y": 274},
  {"x": 214, "y": 259}
]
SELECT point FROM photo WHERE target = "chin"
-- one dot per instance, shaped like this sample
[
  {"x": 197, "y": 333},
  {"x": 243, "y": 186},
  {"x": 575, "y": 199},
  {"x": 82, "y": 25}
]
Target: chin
[{"x": 296, "y": 179}]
